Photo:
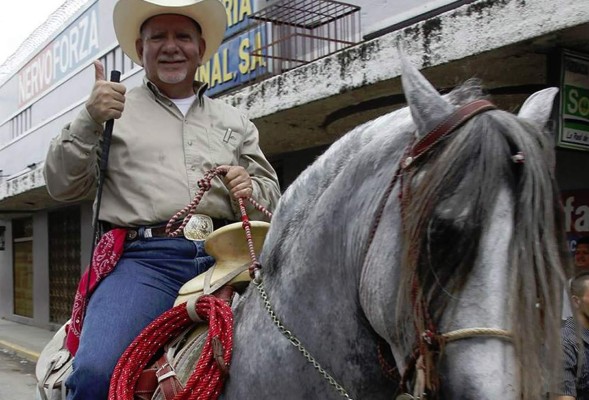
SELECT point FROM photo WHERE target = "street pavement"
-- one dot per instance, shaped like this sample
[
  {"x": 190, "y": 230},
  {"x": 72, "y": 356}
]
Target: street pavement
[
  {"x": 25, "y": 340},
  {"x": 20, "y": 346},
  {"x": 17, "y": 377}
]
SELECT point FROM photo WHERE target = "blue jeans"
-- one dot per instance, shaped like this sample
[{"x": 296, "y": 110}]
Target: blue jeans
[{"x": 143, "y": 285}]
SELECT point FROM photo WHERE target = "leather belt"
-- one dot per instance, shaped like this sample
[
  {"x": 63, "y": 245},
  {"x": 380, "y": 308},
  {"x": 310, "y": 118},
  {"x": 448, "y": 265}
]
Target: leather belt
[{"x": 159, "y": 230}]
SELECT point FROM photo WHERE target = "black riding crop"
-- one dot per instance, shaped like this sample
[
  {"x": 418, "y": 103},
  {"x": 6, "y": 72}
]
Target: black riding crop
[{"x": 115, "y": 76}]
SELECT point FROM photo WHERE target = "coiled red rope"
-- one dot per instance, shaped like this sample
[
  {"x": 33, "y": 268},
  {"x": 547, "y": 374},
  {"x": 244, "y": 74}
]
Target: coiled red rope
[{"x": 206, "y": 381}]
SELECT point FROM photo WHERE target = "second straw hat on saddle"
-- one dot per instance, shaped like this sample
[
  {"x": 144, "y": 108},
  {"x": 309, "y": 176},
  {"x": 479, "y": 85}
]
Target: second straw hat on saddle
[
  {"x": 229, "y": 248},
  {"x": 129, "y": 16}
]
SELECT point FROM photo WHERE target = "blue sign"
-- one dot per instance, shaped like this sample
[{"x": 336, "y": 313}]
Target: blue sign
[
  {"x": 238, "y": 12},
  {"x": 233, "y": 64}
]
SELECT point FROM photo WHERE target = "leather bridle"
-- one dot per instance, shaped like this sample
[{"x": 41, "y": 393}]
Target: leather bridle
[{"x": 430, "y": 341}]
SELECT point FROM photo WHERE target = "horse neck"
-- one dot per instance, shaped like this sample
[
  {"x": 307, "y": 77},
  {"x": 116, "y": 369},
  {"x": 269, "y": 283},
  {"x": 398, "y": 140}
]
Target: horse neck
[
  {"x": 312, "y": 278},
  {"x": 325, "y": 319}
]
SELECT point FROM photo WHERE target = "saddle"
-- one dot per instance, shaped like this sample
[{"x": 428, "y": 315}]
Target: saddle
[
  {"x": 228, "y": 246},
  {"x": 229, "y": 275}
]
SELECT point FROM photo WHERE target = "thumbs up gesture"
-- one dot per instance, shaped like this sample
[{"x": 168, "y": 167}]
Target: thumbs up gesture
[{"x": 107, "y": 99}]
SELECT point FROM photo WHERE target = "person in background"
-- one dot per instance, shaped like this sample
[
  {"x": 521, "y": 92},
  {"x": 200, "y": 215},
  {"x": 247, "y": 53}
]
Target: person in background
[
  {"x": 166, "y": 135},
  {"x": 575, "y": 382},
  {"x": 581, "y": 264},
  {"x": 582, "y": 255}
]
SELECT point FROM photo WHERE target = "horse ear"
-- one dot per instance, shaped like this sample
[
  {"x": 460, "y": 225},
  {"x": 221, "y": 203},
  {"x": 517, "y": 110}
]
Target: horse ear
[
  {"x": 538, "y": 107},
  {"x": 428, "y": 107}
]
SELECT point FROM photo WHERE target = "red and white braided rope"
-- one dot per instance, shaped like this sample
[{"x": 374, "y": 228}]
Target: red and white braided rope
[{"x": 204, "y": 185}]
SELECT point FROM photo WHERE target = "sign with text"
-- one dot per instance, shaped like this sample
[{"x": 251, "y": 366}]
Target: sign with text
[
  {"x": 576, "y": 213},
  {"x": 73, "y": 47},
  {"x": 574, "y": 104},
  {"x": 237, "y": 13},
  {"x": 234, "y": 64}
]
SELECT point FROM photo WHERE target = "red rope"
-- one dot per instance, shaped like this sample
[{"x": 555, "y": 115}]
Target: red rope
[{"x": 206, "y": 381}]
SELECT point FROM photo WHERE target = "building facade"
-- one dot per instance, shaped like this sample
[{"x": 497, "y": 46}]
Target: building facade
[{"x": 305, "y": 77}]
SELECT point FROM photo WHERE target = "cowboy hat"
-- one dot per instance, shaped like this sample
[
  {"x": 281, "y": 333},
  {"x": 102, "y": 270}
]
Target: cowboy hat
[
  {"x": 228, "y": 246},
  {"x": 129, "y": 15}
]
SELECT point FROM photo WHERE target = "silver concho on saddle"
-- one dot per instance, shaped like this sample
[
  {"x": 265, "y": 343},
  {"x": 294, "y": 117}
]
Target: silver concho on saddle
[
  {"x": 228, "y": 246},
  {"x": 198, "y": 227}
]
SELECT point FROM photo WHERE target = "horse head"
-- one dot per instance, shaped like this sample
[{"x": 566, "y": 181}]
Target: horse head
[
  {"x": 480, "y": 251},
  {"x": 371, "y": 245}
]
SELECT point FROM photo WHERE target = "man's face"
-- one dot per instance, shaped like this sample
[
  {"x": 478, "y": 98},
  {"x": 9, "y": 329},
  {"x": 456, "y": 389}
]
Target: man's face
[
  {"x": 582, "y": 256},
  {"x": 170, "y": 49}
]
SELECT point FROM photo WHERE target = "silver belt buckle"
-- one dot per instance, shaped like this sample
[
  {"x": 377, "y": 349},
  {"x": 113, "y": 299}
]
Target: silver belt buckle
[{"x": 199, "y": 226}]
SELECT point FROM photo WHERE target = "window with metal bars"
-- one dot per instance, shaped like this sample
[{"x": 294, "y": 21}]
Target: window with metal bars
[
  {"x": 64, "y": 262},
  {"x": 302, "y": 31}
]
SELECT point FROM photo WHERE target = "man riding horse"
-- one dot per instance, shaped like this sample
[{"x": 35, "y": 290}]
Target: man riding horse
[{"x": 167, "y": 134}]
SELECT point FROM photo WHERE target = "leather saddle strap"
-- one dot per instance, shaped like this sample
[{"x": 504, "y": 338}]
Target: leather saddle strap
[
  {"x": 162, "y": 375},
  {"x": 208, "y": 289},
  {"x": 169, "y": 384},
  {"x": 146, "y": 384}
]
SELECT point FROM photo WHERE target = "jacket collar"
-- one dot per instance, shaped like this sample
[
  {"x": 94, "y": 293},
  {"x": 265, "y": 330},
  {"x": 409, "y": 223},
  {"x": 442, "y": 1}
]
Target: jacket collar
[{"x": 199, "y": 89}]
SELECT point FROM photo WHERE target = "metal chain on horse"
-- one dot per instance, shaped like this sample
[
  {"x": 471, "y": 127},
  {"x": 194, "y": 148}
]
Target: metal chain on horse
[
  {"x": 255, "y": 268},
  {"x": 297, "y": 343}
]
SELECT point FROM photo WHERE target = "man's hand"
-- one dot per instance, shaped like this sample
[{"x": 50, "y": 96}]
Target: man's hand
[
  {"x": 238, "y": 181},
  {"x": 107, "y": 99}
]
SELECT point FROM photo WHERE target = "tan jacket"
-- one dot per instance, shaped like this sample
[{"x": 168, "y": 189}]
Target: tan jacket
[{"x": 157, "y": 156}]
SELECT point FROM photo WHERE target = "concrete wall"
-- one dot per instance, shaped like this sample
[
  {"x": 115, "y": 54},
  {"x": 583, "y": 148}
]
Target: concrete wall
[
  {"x": 6, "y": 276},
  {"x": 40, "y": 270},
  {"x": 464, "y": 32}
]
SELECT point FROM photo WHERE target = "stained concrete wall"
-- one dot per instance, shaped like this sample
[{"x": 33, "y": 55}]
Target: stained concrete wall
[{"x": 466, "y": 31}]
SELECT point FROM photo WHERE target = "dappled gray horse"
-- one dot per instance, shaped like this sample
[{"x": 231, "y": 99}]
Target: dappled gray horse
[{"x": 369, "y": 246}]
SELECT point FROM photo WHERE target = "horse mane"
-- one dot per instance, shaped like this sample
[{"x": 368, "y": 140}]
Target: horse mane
[
  {"x": 296, "y": 204},
  {"x": 452, "y": 195}
]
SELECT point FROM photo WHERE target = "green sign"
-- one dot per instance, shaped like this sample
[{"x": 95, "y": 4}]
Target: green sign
[{"x": 574, "y": 105}]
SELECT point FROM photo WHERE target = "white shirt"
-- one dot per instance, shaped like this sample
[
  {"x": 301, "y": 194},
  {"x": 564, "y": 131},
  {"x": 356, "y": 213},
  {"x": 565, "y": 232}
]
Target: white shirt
[{"x": 184, "y": 104}]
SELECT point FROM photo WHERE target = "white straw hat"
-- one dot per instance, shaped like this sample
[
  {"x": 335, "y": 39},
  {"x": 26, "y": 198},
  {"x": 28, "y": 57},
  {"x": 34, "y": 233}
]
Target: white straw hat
[{"x": 129, "y": 15}]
